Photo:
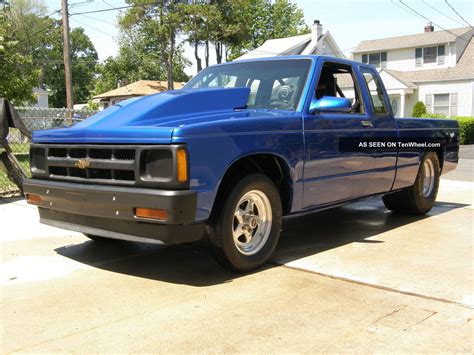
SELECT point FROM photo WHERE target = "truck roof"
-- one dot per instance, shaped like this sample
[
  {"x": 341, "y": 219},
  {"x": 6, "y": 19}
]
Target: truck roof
[{"x": 288, "y": 57}]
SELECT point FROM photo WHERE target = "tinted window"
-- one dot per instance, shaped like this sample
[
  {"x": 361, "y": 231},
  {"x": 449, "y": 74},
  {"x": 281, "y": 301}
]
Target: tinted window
[
  {"x": 376, "y": 93},
  {"x": 274, "y": 84}
]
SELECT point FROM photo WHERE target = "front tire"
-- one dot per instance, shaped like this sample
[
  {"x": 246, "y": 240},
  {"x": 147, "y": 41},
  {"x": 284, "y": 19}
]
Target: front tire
[
  {"x": 419, "y": 198},
  {"x": 245, "y": 226}
]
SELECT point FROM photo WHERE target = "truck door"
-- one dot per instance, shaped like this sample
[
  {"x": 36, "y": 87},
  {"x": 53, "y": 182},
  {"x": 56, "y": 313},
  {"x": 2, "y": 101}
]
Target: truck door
[
  {"x": 385, "y": 130},
  {"x": 332, "y": 175}
]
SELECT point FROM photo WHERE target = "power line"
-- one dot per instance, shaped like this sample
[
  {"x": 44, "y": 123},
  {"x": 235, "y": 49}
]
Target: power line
[
  {"x": 413, "y": 11},
  {"x": 442, "y": 13},
  {"x": 457, "y": 13},
  {"x": 94, "y": 28},
  {"x": 112, "y": 9},
  {"x": 102, "y": 21}
]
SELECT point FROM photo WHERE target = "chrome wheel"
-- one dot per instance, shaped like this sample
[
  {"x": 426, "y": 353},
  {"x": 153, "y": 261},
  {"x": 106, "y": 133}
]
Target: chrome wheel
[
  {"x": 428, "y": 178},
  {"x": 252, "y": 222}
]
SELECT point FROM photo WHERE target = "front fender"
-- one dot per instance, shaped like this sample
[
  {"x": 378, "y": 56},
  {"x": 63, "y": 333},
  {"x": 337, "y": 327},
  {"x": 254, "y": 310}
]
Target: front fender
[{"x": 210, "y": 157}]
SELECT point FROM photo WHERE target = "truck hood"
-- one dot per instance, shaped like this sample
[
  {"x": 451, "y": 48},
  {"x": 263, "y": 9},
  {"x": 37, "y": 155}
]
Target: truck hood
[{"x": 149, "y": 119}]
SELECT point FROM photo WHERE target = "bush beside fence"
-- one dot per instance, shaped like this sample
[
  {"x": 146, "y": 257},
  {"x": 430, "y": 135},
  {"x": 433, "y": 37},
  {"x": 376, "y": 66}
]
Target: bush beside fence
[{"x": 466, "y": 127}]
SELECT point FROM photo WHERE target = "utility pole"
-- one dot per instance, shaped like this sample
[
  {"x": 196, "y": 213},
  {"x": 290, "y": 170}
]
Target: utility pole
[{"x": 67, "y": 58}]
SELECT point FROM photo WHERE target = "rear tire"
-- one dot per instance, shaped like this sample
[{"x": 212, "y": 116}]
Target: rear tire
[
  {"x": 419, "y": 198},
  {"x": 246, "y": 222}
]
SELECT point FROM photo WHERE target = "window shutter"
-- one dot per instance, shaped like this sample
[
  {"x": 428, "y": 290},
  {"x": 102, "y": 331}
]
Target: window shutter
[
  {"x": 454, "y": 104},
  {"x": 418, "y": 56},
  {"x": 383, "y": 60},
  {"x": 365, "y": 58},
  {"x": 441, "y": 54},
  {"x": 429, "y": 103}
]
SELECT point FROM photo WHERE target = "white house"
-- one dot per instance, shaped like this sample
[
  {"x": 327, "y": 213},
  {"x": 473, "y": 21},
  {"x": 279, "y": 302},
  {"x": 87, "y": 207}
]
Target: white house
[
  {"x": 42, "y": 97},
  {"x": 315, "y": 42},
  {"x": 435, "y": 67}
]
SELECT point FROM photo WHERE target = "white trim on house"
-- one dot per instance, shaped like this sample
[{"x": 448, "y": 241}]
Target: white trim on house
[
  {"x": 315, "y": 42},
  {"x": 408, "y": 78}
]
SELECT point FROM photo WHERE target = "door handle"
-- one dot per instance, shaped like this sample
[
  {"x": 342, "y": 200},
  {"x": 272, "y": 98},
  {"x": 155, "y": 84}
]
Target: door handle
[{"x": 367, "y": 124}]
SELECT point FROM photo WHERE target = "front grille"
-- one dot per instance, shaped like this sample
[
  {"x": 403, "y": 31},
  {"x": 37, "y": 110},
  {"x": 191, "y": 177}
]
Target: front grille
[{"x": 115, "y": 165}]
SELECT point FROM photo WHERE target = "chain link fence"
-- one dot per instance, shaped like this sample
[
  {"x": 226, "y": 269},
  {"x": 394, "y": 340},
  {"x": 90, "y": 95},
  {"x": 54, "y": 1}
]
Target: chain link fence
[{"x": 35, "y": 118}]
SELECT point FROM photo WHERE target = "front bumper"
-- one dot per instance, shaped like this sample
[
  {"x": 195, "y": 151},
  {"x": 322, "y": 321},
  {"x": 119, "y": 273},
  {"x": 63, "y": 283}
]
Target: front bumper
[{"x": 108, "y": 211}]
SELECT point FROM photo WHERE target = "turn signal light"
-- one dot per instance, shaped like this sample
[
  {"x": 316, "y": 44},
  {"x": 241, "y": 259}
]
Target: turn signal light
[
  {"x": 151, "y": 213},
  {"x": 33, "y": 199},
  {"x": 182, "y": 165}
]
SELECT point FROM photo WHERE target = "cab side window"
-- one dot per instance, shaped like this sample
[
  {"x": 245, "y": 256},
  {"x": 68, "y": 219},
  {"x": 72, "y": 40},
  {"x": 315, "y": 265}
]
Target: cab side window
[
  {"x": 374, "y": 87},
  {"x": 338, "y": 80}
]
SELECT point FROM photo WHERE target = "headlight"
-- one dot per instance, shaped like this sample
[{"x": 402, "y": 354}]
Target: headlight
[
  {"x": 165, "y": 165},
  {"x": 156, "y": 165}
]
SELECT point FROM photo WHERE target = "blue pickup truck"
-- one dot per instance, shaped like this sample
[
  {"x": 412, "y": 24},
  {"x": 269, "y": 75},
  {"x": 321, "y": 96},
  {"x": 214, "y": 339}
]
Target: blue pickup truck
[{"x": 241, "y": 146}]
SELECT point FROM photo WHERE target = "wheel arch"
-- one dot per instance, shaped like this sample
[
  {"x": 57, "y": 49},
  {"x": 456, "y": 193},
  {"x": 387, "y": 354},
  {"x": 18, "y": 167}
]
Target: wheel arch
[
  {"x": 439, "y": 153},
  {"x": 272, "y": 165}
]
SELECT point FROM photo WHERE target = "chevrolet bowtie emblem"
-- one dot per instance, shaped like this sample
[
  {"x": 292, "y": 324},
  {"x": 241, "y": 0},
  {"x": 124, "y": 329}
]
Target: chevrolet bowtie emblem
[{"x": 82, "y": 163}]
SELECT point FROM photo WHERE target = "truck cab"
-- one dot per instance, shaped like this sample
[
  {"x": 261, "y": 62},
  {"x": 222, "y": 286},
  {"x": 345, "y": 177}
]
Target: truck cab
[{"x": 242, "y": 146}]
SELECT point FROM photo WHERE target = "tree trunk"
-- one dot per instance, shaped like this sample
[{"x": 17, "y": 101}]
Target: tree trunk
[
  {"x": 207, "y": 53},
  {"x": 196, "y": 55},
  {"x": 170, "y": 65},
  {"x": 218, "y": 46}
]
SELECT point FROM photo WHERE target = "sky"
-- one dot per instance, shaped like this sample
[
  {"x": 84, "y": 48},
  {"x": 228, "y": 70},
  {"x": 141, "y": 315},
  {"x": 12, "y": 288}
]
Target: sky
[{"x": 349, "y": 21}]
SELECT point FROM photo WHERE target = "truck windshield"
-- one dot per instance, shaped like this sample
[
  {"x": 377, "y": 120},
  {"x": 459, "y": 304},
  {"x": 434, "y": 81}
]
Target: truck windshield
[{"x": 274, "y": 84}]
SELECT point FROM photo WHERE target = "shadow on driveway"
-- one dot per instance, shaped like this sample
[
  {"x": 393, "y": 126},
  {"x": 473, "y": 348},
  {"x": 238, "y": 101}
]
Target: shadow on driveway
[{"x": 192, "y": 264}]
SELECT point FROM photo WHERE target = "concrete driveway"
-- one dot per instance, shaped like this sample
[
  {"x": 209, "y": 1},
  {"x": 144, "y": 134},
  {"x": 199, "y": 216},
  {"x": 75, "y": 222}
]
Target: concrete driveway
[{"x": 356, "y": 278}]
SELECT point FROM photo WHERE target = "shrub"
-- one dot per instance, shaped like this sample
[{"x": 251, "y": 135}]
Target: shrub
[
  {"x": 433, "y": 115},
  {"x": 466, "y": 127},
  {"x": 419, "y": 109}
]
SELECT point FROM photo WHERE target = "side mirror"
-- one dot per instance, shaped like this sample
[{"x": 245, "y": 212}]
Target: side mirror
[{"x": 330, "y": 104}]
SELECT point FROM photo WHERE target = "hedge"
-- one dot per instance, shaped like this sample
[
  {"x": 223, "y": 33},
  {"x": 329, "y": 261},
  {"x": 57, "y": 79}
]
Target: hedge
[{"x": 466, "y": 127}]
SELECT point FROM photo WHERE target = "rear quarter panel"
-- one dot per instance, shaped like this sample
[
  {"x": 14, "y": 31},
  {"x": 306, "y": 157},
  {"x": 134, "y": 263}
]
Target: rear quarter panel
[{"x": 445, "y": 131}]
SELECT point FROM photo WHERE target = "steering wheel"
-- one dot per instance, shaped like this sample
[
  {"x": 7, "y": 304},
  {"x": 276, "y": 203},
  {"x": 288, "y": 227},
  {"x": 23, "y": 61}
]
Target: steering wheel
[
  {"x": 277, "y": 103},
  {"x": 285, "y": 93}
]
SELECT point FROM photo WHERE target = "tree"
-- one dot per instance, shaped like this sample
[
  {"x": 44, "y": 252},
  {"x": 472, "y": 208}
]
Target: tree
[
  {"x": 40, "y": 37},
  {"x": 84, "y": 60},
  {"x": 159, "y": 26},
  {"x": 18, "y": 74},
  {"x": 135, "y": 61},
  {"x": 232, "y": 27},
  {"x": 419, "y": 109},
  {"x": 266, "y": 20},
  {"x": 194, "y": 29}
]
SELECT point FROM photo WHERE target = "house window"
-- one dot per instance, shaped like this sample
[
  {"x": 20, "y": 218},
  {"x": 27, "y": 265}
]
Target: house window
[
  {"x": 378, "y": 60},
  {"x": 442, "y": 104},
  {"x": 429, "y": 55}
]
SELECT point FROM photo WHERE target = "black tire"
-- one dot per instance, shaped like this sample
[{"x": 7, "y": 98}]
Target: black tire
[
  {"x": 222, "y": 224},
  {"x": 411, "y": 200}
]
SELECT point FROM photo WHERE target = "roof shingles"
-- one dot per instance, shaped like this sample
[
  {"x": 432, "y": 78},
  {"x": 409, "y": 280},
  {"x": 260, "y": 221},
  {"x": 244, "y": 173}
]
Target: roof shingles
[
  {"x": 139, "y": 88},
  {"x": 420, "y": 39},
  {"x": 464, "y": 70}
]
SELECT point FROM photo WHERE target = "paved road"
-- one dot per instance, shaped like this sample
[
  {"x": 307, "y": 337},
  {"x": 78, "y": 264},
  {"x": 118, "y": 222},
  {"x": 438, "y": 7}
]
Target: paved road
[{"x": 356, "y": 278}]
